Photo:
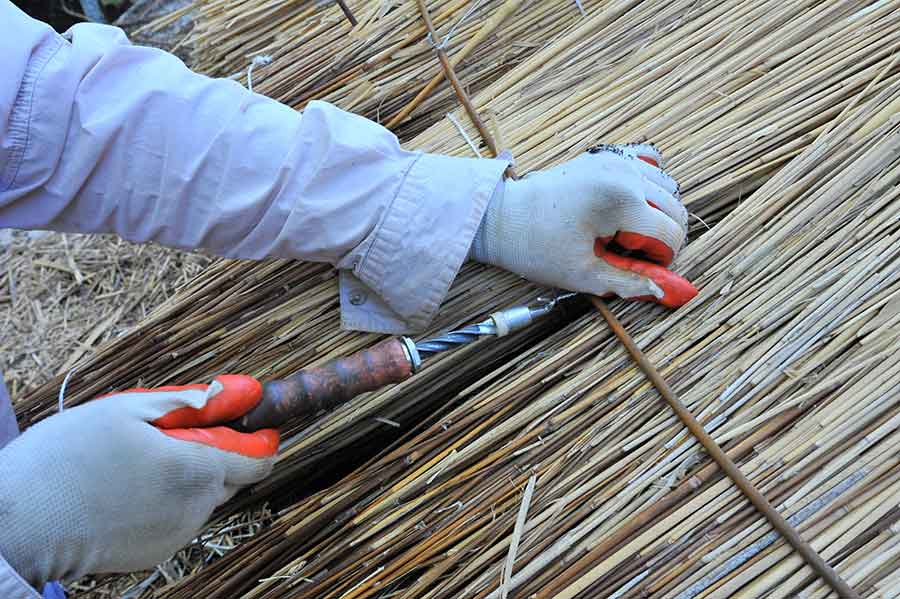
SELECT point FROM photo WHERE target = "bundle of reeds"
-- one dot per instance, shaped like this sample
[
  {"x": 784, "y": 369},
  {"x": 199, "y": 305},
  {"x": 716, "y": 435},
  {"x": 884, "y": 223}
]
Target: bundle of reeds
[
  {"x": 273, "y": 318},
  {"x": 799, "y": 305},
  {"x": 731, "y": 90},
  {"x": 383, "y": 68}
]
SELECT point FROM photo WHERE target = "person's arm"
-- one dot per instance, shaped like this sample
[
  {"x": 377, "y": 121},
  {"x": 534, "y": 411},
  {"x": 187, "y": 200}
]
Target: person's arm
[{"x": 97, "y": 135}]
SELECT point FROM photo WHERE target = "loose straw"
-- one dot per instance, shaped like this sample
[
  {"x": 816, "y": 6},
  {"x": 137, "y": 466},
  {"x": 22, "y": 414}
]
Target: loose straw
[{"x": 458, "y": 88}]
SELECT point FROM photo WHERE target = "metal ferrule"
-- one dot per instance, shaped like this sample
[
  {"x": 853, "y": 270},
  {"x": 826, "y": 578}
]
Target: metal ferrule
[
  {"x": 518, "y": 317},
  {"x": 415, "y": 359},
  {"x": 512, "y": 319}
]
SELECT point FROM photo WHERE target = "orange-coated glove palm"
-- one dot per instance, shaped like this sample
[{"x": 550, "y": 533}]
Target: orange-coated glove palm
[
  {"x": 562, "y": 227},
  {"x": 122, "y": 482},
  {"x": 229, "y": 397}
]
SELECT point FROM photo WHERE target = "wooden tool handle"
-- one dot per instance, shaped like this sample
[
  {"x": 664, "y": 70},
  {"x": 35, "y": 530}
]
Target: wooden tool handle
[{"x": 325, "y": 387}]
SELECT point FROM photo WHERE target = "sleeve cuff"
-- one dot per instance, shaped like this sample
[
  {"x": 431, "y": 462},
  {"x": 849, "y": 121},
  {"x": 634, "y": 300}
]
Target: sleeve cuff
[{"x": 415, "y": 252}]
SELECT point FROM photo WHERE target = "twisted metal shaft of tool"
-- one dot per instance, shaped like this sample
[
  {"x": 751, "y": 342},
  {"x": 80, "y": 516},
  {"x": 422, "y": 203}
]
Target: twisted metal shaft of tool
[{"x": 454, "y": 339}]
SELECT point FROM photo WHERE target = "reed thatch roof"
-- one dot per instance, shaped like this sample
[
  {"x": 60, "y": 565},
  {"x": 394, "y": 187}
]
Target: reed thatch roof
[{"x": 780, "y": 122}]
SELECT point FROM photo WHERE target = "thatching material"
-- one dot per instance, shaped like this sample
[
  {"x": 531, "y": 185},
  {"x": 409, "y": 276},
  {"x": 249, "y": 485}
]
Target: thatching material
[
  {"x": 273, "y": 318},
  {"x": 377, "y": 68},
  {"x": 784, "y": 529},
  {"x": 62, "y": 296},
  {"x": 731, "y": 91},
  {"x": 775, "y": 355}
]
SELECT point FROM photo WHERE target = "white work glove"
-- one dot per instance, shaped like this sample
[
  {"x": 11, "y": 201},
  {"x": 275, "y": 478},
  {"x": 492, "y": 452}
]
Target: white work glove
[
  {"x": 122, "y": 482},
  {"x": 555, "y": 227}
]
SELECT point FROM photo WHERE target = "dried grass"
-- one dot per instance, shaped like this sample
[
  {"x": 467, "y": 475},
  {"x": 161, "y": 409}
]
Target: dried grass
[{"x": 62, "y": 296}]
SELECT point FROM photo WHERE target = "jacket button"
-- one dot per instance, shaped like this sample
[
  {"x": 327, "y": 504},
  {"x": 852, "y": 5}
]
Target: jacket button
[{"x": 357, "y": 298}]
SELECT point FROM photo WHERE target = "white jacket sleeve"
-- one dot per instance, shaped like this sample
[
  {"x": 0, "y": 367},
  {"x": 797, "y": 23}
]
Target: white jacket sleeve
[{"x": 97, "y": 135}]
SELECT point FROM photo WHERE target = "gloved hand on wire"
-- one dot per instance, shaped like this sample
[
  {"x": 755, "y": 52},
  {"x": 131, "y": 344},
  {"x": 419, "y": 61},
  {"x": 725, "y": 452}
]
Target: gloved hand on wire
[
  {"x": 558, "y": 227},
  {"x": 121, "y": 483}
]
